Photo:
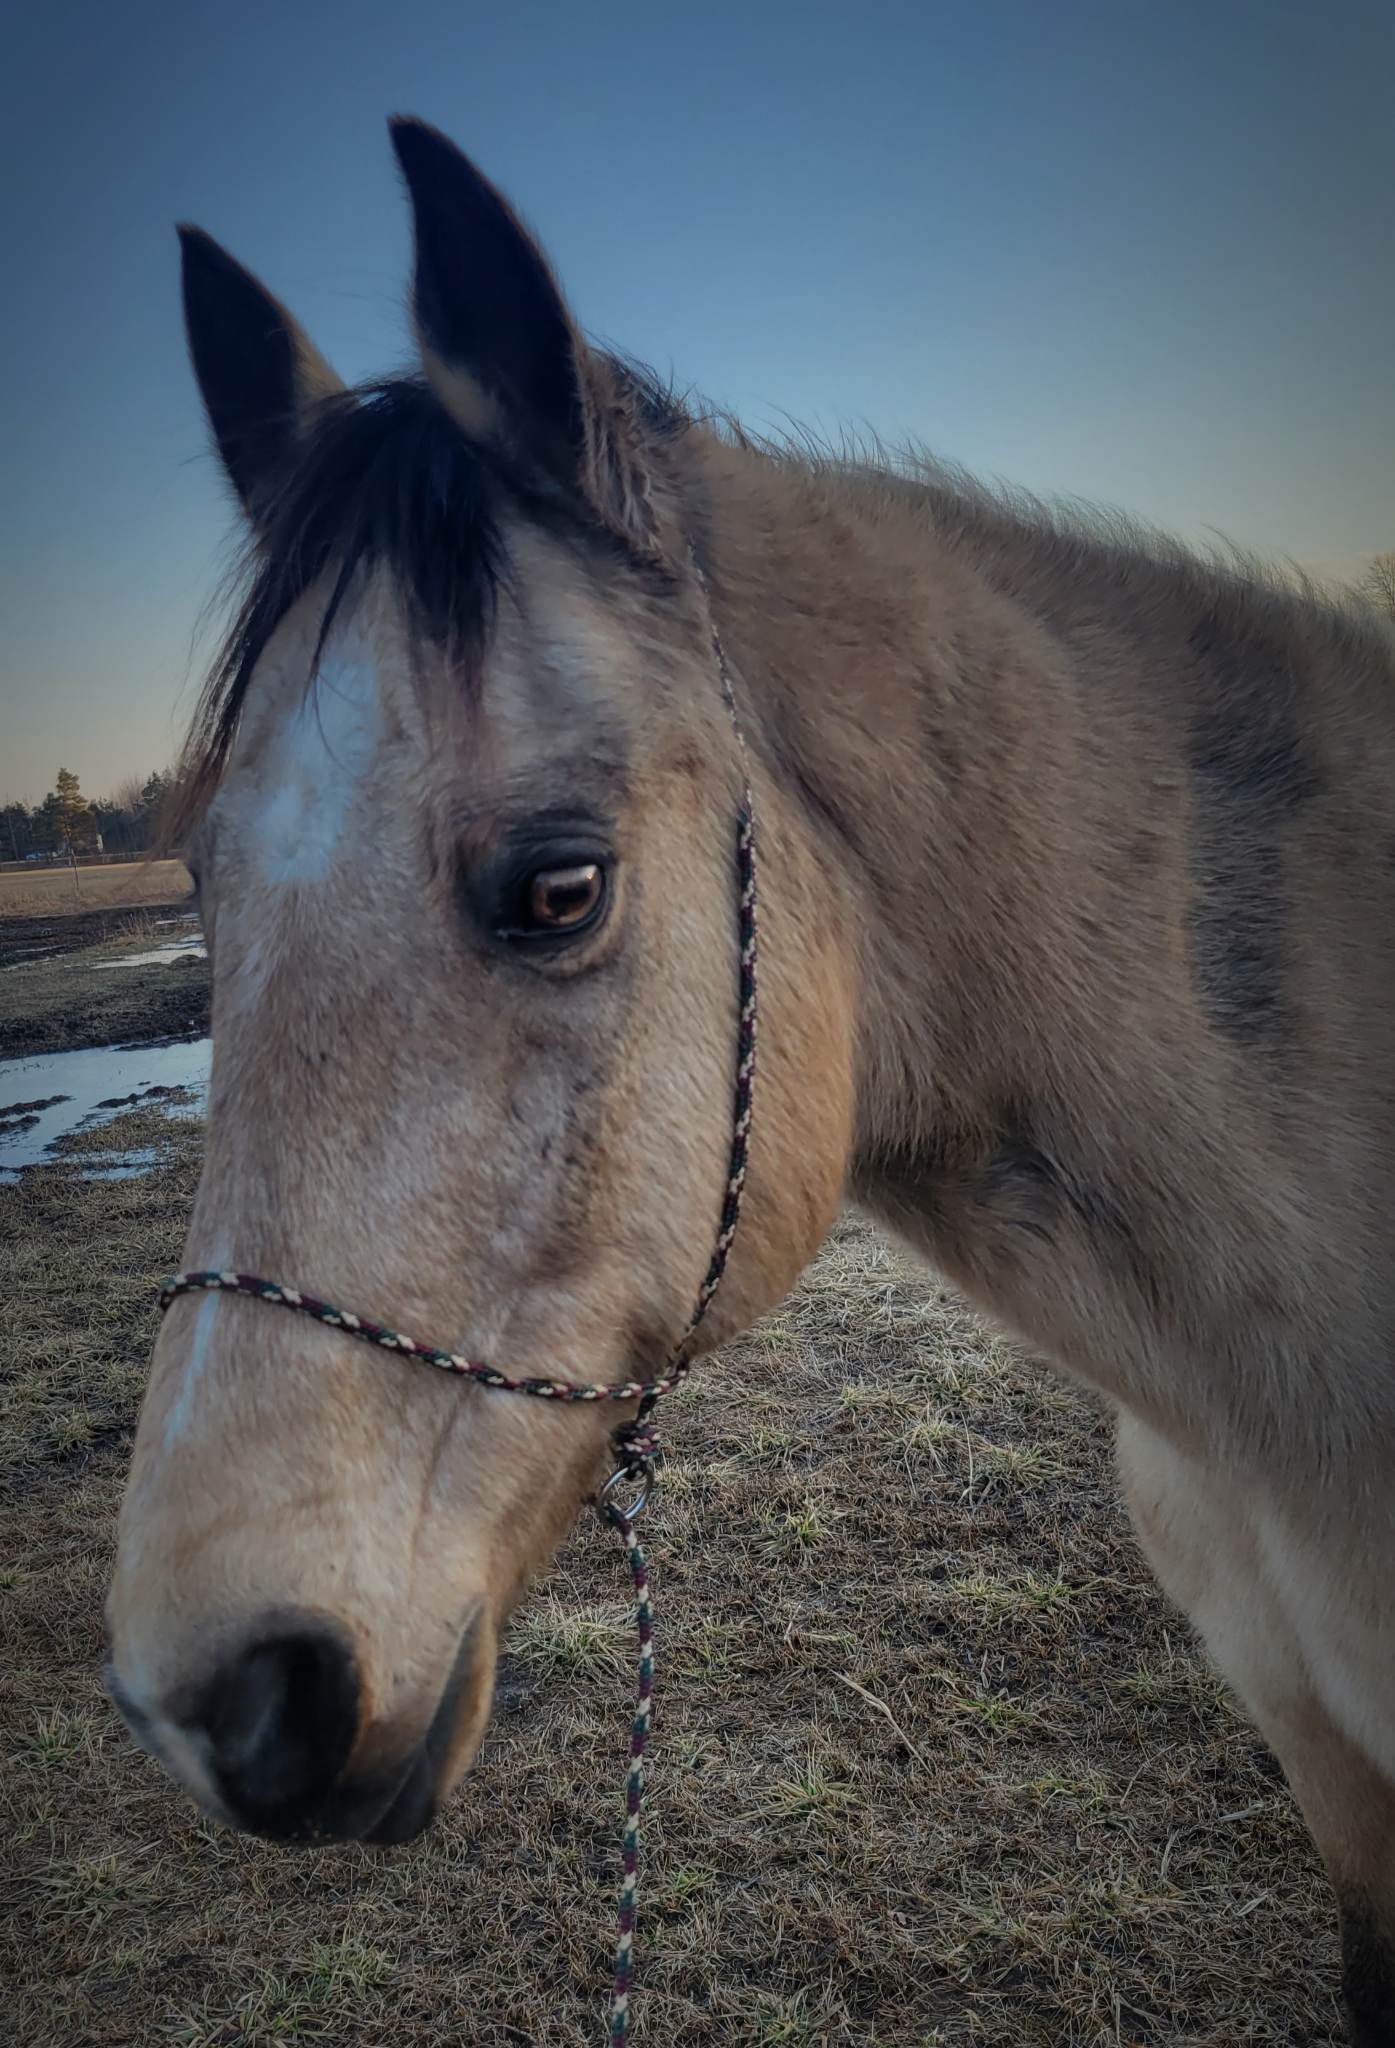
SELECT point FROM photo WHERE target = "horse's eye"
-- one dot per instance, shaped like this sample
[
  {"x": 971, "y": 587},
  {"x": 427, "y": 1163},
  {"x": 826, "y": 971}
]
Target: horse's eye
[{"x": 557, "y": 901}]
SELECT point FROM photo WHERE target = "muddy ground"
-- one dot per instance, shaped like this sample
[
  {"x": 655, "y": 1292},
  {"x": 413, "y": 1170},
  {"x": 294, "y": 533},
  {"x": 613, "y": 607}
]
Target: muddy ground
[
  {"x": 65, "y": 988},
  {"x": 38, "y": 935}
]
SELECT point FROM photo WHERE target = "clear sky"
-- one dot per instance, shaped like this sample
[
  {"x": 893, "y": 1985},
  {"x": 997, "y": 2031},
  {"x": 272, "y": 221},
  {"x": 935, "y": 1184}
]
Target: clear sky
[{"x": 1133, "y": 251}]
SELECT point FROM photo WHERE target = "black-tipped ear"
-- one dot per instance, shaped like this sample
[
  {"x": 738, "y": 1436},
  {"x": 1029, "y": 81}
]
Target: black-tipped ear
[
  {"x": 258, "y": 372},
  {"x": 497, "y": 340}
]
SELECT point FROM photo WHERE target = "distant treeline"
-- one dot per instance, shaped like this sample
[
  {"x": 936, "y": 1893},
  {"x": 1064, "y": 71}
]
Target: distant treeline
[{"x": 67, "y": 822}]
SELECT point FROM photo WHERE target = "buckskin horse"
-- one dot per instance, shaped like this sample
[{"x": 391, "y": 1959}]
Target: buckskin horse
[{"x": 1078, "y": 969}]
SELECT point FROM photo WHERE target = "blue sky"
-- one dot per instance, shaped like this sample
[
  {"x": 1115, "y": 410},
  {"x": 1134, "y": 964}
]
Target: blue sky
[{"x": 1141, "y": 253}]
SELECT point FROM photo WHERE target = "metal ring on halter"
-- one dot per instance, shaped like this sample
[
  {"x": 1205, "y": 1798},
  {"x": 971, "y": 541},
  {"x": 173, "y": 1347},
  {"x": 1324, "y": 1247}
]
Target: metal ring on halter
[{"x": 626, "y": 1475}]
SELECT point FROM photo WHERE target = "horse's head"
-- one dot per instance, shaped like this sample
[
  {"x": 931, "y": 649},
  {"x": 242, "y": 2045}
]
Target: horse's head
[{"x": 466, "y": 798}]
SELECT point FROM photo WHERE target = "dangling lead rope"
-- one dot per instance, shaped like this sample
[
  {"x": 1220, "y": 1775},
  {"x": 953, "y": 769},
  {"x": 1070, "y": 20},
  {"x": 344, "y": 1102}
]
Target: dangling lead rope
[
  {"x": 636, "y": 1441},
  {"x": 634, "y": 1779}
]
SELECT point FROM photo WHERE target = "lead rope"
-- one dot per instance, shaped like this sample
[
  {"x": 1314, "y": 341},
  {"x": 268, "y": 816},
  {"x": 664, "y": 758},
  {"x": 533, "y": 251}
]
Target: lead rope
[
  {"x": 636, "y": 1442},
  {"x": 634, "y": 1781}
]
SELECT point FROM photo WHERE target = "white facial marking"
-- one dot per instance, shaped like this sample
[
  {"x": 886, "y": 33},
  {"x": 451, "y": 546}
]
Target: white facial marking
[
  {"x": 181, "y": 1410},
  {"x": 328, "y": 743}
]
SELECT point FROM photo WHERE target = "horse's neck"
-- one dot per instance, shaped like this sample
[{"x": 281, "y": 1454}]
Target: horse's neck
[
  {"x": 933, "y": 754},
  {"x": 1008, "y": 808},
  {"x": 920, "y": 730}
]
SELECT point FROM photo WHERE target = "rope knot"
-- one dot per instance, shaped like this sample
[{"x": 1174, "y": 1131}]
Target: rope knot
[{"x": 637, "y": 1449}]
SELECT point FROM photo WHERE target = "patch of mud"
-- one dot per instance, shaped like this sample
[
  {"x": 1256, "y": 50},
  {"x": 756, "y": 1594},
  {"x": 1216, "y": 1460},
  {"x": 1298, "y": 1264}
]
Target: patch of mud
[
  {"x": 73, "y": 1000},
  {"x": 68, "y": 931},
  {"x": 81, "y": 1090}
]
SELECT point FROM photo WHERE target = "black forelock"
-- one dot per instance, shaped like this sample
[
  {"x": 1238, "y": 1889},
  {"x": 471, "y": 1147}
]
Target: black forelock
[{"x": 383, "y": 478}]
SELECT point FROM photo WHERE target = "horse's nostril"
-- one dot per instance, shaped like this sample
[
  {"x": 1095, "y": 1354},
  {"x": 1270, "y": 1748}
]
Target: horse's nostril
[{"x": 280, "y": 1719}]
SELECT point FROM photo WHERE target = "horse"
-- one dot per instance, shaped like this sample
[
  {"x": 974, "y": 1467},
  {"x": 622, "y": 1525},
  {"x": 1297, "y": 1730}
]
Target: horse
[{"x": 1078, "y": 971}]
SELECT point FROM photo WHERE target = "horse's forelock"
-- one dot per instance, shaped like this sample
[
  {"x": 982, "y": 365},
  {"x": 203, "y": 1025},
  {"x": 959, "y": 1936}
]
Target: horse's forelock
[{"x": 383, "y": 481}]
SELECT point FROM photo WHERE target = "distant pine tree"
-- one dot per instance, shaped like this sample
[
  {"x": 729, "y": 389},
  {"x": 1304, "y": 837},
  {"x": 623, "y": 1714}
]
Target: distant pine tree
[{"x": 74, "y": 817}]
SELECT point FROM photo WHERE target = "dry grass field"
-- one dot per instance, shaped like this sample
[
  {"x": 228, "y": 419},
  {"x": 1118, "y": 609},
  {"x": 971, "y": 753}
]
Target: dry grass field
[
  {"x": 934, "y": 1763},
  {"x": 55, "y": 891}
]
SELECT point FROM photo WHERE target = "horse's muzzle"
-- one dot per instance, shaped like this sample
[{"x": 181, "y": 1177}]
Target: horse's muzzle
[{"x": 270, "y": 1735}]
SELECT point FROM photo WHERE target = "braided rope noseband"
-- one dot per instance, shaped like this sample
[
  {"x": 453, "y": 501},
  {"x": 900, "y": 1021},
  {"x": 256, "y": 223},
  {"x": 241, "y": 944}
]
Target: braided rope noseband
[{"x": 635, "y": 1441}]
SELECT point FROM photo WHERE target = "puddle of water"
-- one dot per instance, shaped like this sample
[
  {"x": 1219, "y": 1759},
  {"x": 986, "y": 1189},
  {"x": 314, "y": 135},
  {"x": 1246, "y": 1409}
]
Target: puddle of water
[
  {"x": 50, "y": 1094},
  {"x": 173, "y": 949}
]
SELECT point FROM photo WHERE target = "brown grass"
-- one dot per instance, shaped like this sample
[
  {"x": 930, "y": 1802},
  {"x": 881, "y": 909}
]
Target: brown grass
[
  {"x": 934, "y": 1763},
  {"x": 54, "y": 891}
]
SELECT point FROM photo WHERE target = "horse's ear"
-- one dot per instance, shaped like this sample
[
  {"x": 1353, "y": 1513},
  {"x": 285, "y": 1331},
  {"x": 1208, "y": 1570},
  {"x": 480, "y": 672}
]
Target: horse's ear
[
  {"x": 500, "y": 347},
  {"x": 497, "y": 340},
  {"x": 258, "y": 372}
]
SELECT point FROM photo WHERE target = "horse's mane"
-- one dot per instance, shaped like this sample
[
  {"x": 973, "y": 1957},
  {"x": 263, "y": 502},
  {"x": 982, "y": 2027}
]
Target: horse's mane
[{"x": 1060, "y": 541}]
